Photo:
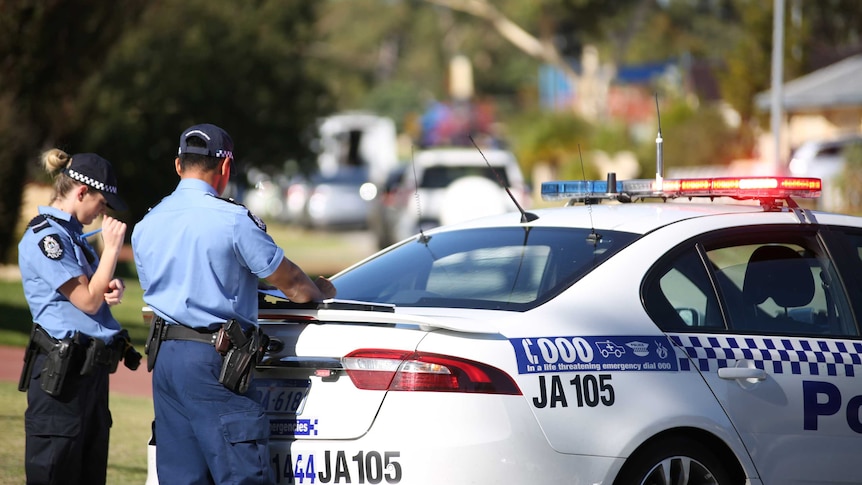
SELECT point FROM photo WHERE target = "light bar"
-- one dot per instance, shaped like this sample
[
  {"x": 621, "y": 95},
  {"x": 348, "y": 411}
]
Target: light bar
[{"x": 736, "y": 187}]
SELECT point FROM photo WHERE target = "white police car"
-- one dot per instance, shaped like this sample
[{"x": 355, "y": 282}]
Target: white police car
[
  {"x": 650, "y": 342},
  {"x": 644, "y": 342}
]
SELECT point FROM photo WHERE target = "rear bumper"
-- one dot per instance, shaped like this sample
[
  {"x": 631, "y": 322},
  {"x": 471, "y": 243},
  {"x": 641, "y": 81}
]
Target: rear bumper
[{"x": 489, "y": 440}]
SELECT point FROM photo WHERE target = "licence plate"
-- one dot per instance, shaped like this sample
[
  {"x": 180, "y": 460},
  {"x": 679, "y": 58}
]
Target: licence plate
[
  {"x": 282, "y": 396},
  {"x": 334, "y": 466}
]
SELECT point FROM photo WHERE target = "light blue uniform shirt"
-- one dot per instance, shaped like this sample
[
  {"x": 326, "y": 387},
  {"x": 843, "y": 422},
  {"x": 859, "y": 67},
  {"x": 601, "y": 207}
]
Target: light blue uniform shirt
[
  {"x": 52, "y": 252},
  {"x": 199, "y": 258}
]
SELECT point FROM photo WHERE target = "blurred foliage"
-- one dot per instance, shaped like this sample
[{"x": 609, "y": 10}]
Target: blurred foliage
[
  {"x": 556, "y": 140},
  {"x": 240, "y": 65},
  {"x": 750, "y": 58},
  {"x": 695, "y": 136},
  {"x": 47, "y": 50},
  {"x": 691, "y": 137}
]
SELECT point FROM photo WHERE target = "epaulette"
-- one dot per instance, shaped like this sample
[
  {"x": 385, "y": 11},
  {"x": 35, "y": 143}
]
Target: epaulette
[
  {"x": 257, "y": 220},
  {"x": 39, "y": 222}
]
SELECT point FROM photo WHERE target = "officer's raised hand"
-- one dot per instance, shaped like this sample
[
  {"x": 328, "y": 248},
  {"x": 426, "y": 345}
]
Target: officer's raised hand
[
  {"x": 116, "y": 289},
  {"x": 113, "y": 234}
]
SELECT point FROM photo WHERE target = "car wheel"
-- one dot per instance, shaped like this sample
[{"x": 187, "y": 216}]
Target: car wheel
[{"x": 677, "y": 460}]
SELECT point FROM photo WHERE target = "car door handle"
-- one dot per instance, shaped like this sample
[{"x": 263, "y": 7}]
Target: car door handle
[{"x": 732, "y": 373}]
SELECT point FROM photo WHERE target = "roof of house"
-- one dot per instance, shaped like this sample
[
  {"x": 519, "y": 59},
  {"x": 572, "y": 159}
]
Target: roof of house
[{"x": 832, "y": 86}]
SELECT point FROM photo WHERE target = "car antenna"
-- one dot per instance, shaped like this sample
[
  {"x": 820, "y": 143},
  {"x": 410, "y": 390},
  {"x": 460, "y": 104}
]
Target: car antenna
[
  {"x": 594, "y": 237},
  {"x": 525, "y": 216},
  {"x": 659, "y": 153},
  {"x": 422, "y": 237}
]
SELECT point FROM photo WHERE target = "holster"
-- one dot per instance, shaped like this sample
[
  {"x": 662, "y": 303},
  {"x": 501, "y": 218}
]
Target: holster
[
  {"x": 60, "y": 354},
  {"x": 244, "y": 352},
  {"x": 158, "y": 327},
  {"x": 57, "y": 367}
]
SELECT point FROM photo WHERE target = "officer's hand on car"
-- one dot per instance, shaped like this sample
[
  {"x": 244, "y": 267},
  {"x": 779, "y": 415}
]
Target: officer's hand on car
[{"x": 325, "y": 286}]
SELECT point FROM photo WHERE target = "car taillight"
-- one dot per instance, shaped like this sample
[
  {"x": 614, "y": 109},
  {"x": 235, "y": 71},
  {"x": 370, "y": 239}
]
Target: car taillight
[{"x": 394, "y": 370}]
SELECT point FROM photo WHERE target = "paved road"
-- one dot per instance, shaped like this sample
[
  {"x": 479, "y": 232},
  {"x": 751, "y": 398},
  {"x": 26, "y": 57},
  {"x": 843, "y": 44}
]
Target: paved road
[{"x": 124, "y": 381}]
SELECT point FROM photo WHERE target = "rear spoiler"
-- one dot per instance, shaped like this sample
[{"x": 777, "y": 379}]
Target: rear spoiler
[{"x": 351, "y": 311}]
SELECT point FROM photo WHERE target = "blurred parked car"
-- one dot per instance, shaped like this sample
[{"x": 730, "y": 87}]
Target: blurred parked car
[
  {"x": 446, "y": 186},
  {"x": 355, "y": 151},
  {"x": 824, "y": 159},
  {"x": 261, "y": 193},
  {"x": 336, "y": 201}
]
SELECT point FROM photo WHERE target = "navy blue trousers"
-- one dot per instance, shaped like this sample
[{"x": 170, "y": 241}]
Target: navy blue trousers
[
  {"x": 67, "y": 435},
  {"x": 205, "y": 433}
]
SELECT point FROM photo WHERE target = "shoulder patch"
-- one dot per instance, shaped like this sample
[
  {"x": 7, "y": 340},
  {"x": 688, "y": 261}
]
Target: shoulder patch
[
  {"x": 52, "y": 247},
  {"x": 258, "y": 221},
  {"x": 228, "y": 199}
]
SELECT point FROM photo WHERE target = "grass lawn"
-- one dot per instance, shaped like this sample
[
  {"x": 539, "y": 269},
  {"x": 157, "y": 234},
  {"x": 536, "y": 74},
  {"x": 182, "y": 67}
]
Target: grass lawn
[{"x": 127, "y": 456}]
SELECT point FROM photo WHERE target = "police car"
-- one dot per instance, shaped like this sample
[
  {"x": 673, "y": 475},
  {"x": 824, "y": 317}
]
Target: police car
[{"x": 645, "y": 332}]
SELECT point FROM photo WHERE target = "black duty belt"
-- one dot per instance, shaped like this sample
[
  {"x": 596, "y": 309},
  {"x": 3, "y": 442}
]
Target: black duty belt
[{"x": 181, "y": 332}]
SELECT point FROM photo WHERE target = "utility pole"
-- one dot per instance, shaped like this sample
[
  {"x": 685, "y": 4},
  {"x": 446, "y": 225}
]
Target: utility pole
[{"x": 777, "y": 82}]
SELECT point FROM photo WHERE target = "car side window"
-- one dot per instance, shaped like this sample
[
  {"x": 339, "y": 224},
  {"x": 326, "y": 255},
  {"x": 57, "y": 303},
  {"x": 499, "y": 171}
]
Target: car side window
[
  {"x": 768, "y": 287},
  {"x": 779, "y": 288},
  {"x": 680, "y": 295}
]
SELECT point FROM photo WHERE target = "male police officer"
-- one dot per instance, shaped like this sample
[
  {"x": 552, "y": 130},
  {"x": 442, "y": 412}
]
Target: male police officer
[{"x": 199, "y": 259}]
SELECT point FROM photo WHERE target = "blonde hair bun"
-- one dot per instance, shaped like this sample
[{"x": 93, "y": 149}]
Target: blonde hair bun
[{"x": 55, "y": 160}]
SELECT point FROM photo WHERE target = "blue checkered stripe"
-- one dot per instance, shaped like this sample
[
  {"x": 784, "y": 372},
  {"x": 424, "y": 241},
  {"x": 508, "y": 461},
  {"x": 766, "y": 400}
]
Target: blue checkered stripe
[{"x": 778, "y": 355}]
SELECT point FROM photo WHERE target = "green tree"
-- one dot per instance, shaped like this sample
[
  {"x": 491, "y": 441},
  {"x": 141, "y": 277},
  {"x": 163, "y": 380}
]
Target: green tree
[
  {"x": 748, "y": 64},
  {"x": 47, "y": 49},
  {"x": 241, "y": 65},
  {"x": 697, "y": 136},
  {"x": 557, "y": 140},
  {"x": 816, "y": 34}
]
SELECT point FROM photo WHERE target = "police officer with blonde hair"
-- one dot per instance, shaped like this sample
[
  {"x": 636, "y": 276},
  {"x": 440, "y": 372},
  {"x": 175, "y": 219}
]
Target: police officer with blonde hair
[
  {"x": 199, "y": 260},
  {"x": 75, "y": 342}
]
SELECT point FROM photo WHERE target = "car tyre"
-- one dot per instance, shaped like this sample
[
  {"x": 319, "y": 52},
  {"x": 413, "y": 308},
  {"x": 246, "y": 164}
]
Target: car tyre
[{"x": 675, "y": 460}]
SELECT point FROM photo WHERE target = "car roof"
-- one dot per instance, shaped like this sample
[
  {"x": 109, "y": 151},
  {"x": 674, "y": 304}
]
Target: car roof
[
  {"x": 637, "y": 218},
  {"x": 463, "y": 156},
  {"x": 813, "y": 145}
]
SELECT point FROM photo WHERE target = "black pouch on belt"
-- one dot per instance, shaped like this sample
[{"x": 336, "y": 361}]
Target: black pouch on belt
[
  {"x": 98, "y": 353},
  {"x": 29, "y": 360}
]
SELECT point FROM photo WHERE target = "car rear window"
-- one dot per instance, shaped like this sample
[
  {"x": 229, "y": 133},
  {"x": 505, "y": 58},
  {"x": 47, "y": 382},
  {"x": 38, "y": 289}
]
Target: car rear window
[
  {"x": 440, "y": 177},
  {"x": 510, "y": 268}
]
